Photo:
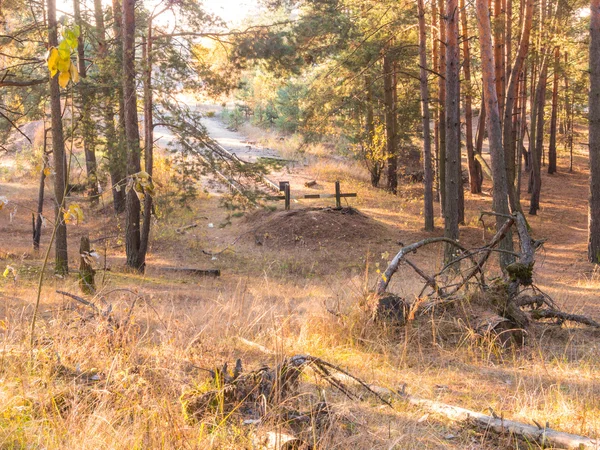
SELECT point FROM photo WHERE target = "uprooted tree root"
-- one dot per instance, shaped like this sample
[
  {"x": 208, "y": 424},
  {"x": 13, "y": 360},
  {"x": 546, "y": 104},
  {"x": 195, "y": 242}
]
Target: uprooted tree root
[
  {"x": 265, "y": 397},
  {"x": 269, "y": 396},
  {"x": 515, "y": 302}
]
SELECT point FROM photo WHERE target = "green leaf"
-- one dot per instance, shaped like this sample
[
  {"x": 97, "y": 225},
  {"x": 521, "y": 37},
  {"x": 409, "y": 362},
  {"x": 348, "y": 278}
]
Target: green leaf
[{"x": 64, "y": 50}]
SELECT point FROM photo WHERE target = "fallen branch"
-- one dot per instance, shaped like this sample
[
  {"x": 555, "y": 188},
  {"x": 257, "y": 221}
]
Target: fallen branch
[
  {"x": 194, "y": 271},
  {"x": 80, "y": 300},
  {"x": 563, "y": 316},
  {"x": 543, "y": 436},
  {"x": 187, "y": 227}
]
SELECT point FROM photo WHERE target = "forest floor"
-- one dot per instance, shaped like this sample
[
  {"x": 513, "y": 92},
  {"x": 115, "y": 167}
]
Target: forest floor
[{"x": 292, "y": 283}]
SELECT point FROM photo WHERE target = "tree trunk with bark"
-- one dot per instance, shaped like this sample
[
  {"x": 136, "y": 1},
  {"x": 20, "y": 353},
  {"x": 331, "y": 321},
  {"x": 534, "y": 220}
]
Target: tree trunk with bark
[
  {"x": 435, "y": 44},
  {"x": 594, "y": 137},
  {"x": 538, "y": 145},
  {"x": 499, "y": 53},
  {"x": 475, "y": 171},
  {"x": 86, "y": 99},
  {"x": 500, "y": 188},
  {"x": 427, "y": 163},
  {"x": 116, "y": 161},
  {"x": 480, "y": 135},
  {"x": 135, "y": 258},
  {"x": 58, "y": 152},
  {"x": 452, "y": 102},
  {"x": 390, "y": 123},
  {"x": 554, "y": 115},
  {"x": 442, "y": 105},
  {"x": 148, "y": 136},
  {"x": 510, "y": 106},
  {"x": 373, "y": 161}
]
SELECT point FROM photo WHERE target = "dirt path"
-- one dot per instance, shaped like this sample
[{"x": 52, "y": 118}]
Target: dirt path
[{"x": 234, "y": 141}]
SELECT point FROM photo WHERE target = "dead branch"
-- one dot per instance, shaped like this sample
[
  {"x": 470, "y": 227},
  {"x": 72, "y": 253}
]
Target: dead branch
[
  {"x": 81, "y": 300},
  {"x": 543, "y": 436},
  {"x": 180, "y": 230},
  {"x": 495, "y": 241},
  {"x": 429, "y": 280},
  {"x": 393, "y": 266},
  {"x": 563, "y": 316},
  {"x": 194, "y": 271}
]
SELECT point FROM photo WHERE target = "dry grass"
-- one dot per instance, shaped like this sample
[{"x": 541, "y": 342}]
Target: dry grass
[{"x": 87, "y": 385}]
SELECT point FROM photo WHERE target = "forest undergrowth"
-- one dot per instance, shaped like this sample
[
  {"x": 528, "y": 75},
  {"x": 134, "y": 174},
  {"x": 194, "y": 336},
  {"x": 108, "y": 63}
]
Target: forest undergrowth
[{"x": 122, "y": 374}]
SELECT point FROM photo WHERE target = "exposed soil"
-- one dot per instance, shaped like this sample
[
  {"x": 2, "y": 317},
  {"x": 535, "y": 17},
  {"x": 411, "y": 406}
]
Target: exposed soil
[{"x": 314, "y": 228}]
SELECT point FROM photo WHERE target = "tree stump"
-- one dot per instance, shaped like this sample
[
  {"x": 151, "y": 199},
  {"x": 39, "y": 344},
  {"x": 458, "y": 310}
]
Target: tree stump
[{"x": 86, "y": 271}]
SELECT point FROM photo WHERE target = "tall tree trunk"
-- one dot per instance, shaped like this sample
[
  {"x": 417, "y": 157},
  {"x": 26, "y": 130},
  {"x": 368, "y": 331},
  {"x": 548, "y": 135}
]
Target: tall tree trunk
[
  {"x": 508, "y": 36},
  {"x": 569, "y": 97},
  {"x": 554, "y": 116},
  {"x": 58, "y": 152},
  {"x": 442, "y": 105},
  {"x": 135, "y": 258},
  {"x": 500, "y": 189},
  {"x": 87, "y": 124},
  {"x": 373, "y": 161},
  {"x": 390, "y": 123},
  {"x": 509, "y": 108},
  {"x": 480, "y": 135},
  {"x": 499, "y": 57},
  {"x": 427, "y": 164},
  {"x": 435, "y": 44},
  {"x": 148, "y": 136},
  {"x": 118, "y": 161},
  {"x": 452, "y": 102},
  {"x": 522, "y": 128},
  {"x": 594, "y": 137},
  {"x": 538, "y": 149},
  {"x": 474, "y": 165}
]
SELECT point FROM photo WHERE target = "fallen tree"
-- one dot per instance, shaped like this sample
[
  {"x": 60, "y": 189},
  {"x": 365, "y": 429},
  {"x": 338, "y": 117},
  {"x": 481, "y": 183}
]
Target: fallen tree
[{"x": 509, "y": 297}]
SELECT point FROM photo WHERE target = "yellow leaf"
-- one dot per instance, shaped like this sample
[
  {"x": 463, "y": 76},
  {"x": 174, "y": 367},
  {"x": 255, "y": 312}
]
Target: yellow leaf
[
  {"x": 47, "y": 171},
  {"x": 53, "y": 61},
  {"x": 64, "y": 65},
  {"x": 63, "y": 79},
  {"x": 74, "y": 73},
  {"x": 10, "y": 270},
  {"x": 73, "y": 214}
]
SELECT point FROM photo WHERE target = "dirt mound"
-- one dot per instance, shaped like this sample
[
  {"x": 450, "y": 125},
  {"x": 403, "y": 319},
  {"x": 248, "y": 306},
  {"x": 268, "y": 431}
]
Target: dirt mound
[{"x": 315, "y": 228}]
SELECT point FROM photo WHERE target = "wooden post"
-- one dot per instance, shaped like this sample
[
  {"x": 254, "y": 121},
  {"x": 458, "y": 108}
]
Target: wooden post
[
  {"x": 286, "y": 190},
  {"x": 338, "y": 198}
]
